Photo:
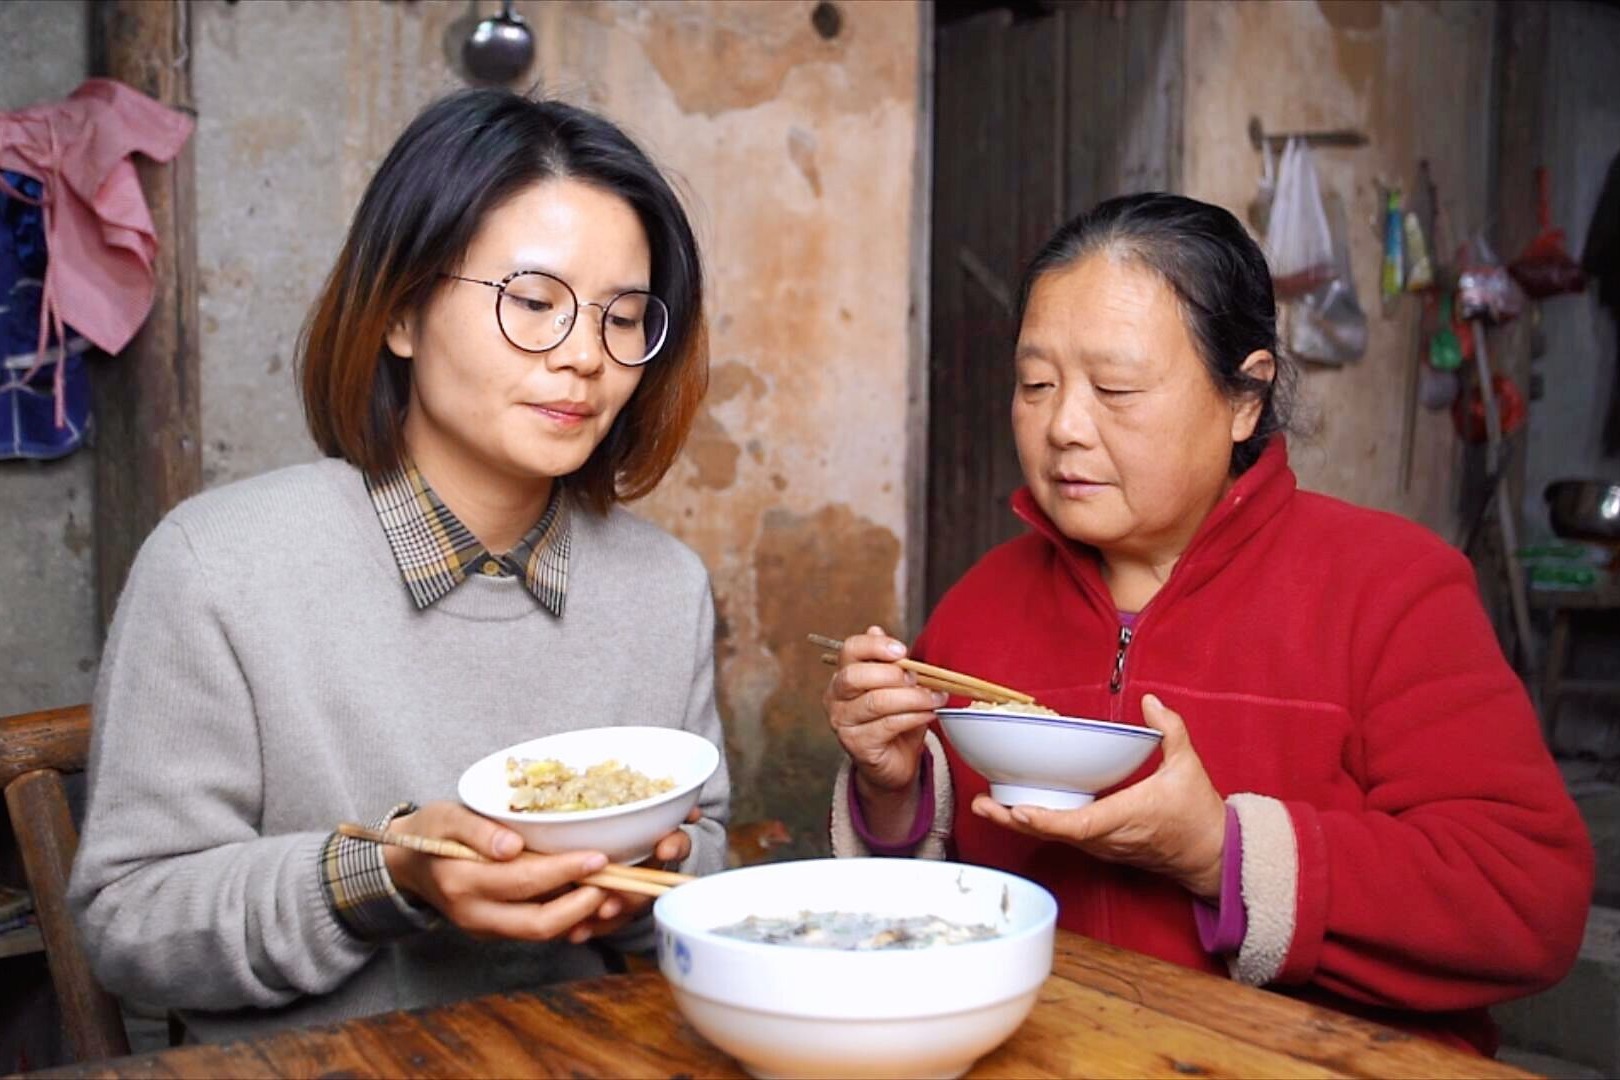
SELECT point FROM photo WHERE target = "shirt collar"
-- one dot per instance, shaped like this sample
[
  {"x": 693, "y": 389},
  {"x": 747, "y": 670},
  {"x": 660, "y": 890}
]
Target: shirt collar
[{"x": 435, "y": 552}]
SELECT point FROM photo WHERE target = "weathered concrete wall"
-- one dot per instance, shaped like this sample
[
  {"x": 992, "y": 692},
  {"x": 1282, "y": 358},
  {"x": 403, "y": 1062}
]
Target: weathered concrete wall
[
  {"x": 797, "y": 153},
  {"x": 48, "y": 637},
  {"x": 1416, "y": 78}
]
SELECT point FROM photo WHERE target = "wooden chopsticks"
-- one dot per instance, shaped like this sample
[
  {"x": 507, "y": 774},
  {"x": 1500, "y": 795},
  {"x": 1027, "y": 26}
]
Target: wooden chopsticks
[
  {"x": 938, "y": 678},
  {"x": 641, "y": 880}
]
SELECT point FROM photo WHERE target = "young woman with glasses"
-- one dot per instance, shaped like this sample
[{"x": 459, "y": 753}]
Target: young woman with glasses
[{"x": 510, "y": 345}]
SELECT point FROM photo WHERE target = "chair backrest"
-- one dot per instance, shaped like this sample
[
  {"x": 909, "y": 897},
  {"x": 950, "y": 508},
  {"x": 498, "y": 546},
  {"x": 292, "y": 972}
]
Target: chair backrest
[{"x": 36, "y": 749}]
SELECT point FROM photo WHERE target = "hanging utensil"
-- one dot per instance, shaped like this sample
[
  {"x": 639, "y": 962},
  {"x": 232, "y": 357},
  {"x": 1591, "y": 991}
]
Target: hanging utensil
[
  {"x": 1545, "y": 268},
  {"x": 500, "y": 48}
]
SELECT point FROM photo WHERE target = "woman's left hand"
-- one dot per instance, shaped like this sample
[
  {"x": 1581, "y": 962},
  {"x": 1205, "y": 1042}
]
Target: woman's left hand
[
  {"x": 619, "y": 909},
  {"x": 1172, "y": 823}
]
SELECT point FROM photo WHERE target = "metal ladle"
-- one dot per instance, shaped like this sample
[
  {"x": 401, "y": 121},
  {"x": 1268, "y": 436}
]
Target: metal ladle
[{"x": 500, "y": 48}]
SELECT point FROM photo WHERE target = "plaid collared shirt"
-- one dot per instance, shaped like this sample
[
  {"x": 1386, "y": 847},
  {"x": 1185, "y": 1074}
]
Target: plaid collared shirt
[{"x": 435, "y": 552}]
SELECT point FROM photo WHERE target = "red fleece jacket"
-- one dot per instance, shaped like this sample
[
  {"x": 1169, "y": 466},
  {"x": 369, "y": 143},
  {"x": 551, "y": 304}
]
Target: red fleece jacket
[{"x": 1338, "y": 660}]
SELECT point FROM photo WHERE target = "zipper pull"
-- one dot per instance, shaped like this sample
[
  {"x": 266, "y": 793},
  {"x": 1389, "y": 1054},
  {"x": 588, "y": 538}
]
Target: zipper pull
[{"x": 1119, "y": 660}]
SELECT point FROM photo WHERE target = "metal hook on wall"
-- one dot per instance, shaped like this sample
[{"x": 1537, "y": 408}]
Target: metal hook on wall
[{"x": 1258, "y": 136}]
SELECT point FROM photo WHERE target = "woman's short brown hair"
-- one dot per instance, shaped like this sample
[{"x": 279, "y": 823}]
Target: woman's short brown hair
[{"x": 460, "y": 159}]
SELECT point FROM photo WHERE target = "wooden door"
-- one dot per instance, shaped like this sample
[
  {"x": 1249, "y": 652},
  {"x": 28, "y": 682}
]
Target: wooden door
[{"x": 1040, "y": 111}]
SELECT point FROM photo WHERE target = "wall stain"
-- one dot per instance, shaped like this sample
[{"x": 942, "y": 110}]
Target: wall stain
[
  {"x": 829, "y": 572},
  {"x": 712, "y": 453},
  {"x": 1352, "y": 14},
  {"x": 265, "y": 137},
  {"x": 756, "y": 46},
  {"x": 75, "y": 537},
  {"x": 727, "y": 380},
  {"x": 802, "y": 150}
]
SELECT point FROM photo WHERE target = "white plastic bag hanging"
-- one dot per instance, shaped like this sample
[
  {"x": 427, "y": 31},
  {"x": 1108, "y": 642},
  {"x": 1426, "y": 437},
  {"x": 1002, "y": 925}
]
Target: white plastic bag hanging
[
  {"x": 1300, "y": 243},
  {"x": 1320, "y": 317}
]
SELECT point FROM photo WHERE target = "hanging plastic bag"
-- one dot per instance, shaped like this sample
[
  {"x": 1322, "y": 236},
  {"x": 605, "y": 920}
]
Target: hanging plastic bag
[
  {"x": 1322, "y": 320},
  {"x": 1484, "y": 289},
  {"x": 1299, "y": 239}
]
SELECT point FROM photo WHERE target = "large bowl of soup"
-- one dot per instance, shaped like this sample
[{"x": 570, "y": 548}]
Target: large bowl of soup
[
  {"x": 617, "y": 790},
  {"x": 856, "y": 967}
]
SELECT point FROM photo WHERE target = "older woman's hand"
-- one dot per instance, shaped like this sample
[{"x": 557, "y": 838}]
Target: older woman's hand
[
  {"x": 880, "y": 714},
  {"x": 1172, "y": 823},
  {"x": 517, "y": 894}
]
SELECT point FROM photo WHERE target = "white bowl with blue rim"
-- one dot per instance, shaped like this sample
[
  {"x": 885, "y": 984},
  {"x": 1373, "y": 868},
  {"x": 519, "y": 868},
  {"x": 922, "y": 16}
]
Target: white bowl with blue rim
[
  {"x": 1056, "y": 762},
  {"x": 626, "y": 833},
  {"x": 791, "y": 1011}
]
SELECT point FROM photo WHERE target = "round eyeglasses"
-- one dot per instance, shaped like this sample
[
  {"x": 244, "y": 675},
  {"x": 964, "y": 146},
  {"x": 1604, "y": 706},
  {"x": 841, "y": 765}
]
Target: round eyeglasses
[{"x": 536, "y": 311}]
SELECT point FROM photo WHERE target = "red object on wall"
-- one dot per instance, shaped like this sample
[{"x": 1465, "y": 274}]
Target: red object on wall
[{"x": 1468, "y": 411}]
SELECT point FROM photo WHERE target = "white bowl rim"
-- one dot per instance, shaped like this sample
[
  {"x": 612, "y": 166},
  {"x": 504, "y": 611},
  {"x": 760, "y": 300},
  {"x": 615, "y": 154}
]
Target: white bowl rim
[
  {"x": 1044, "y": 925},
  {"x": 561, "y": 817},
  {"x": 1041, "y": 720}
]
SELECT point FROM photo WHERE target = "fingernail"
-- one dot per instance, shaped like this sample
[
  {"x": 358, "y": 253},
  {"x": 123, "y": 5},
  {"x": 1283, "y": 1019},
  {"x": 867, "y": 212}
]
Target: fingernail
[
  {"x": 507, "y": 844},
  {"x": 1021, "y": 816},
  {"x": 894, "y": 648},
  {"x": 980, "y": 811},
  {"x": 1149, "y": 699},
  {"x": 595, "y": 862},
  {"x": 941, "y": 697}
]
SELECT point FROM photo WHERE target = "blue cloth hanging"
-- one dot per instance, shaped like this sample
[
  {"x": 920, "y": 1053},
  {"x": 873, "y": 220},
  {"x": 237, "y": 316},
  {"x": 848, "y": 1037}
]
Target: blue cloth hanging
[{"x": 28, "y": 427}]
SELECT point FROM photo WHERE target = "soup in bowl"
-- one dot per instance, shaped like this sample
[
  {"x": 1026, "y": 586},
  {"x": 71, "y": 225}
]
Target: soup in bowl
[{"x": 856, "y": 967}]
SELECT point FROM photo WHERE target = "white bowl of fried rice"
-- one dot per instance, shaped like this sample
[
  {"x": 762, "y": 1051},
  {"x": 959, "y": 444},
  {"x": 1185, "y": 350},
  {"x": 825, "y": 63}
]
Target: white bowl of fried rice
[{"x": 616, "y": 790}]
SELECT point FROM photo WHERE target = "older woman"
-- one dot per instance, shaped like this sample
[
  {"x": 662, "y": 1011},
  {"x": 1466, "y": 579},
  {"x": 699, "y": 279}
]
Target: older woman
[
  {"x": 1353, "y": 802},
  {"x": 510, "y": 345}
]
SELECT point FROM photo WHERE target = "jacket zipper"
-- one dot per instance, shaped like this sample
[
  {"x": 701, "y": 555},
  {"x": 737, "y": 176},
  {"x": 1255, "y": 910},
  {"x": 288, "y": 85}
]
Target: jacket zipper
[
  {"x": 1118, "y": 677},
  {"x": 1118, "y": 681}
]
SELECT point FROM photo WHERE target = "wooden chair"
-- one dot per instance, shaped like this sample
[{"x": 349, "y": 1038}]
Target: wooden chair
[{"x": 36, "y": 749}]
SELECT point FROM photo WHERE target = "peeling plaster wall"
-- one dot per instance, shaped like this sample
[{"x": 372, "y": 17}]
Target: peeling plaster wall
[
  {"x": 48, "y": 643},
  {"x": 1416, "y": 78},
  {"x": 797, "y": 154}
]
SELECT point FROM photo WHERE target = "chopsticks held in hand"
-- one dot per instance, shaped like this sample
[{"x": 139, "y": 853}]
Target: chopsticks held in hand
[
  {"x": 641, "y": 880},
  {"x": 938, "y": 678}
]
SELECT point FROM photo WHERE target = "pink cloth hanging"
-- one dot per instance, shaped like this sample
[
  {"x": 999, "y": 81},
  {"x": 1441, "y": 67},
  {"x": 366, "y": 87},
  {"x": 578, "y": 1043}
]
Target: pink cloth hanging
[{"x": 98, "y": 229}]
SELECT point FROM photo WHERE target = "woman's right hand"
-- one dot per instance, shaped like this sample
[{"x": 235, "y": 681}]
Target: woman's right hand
[
  {"x": 879, "y": 714},
  {"x": 517, "y": 895}
]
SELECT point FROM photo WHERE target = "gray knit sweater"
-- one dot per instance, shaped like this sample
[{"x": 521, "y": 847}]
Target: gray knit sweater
[{"x": 267, "y": 676}]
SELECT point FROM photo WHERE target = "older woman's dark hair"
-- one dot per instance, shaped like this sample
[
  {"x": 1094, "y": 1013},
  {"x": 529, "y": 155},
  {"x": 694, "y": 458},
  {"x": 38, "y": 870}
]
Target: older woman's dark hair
[
  {"x": 1218, "y": 273},
  {"x": 461, "y": 158}
]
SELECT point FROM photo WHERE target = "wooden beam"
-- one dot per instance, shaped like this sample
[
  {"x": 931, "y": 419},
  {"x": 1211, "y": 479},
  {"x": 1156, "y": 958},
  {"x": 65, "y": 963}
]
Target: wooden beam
[
  {"x": 1522, "y": 29},
  {"x": 149, "y": 441}
]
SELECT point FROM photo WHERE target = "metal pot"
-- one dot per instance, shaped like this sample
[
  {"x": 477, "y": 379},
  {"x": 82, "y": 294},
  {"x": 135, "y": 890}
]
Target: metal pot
[
  {"x": 1584, "y": 509},
  {"x": 499, "y": 49}
]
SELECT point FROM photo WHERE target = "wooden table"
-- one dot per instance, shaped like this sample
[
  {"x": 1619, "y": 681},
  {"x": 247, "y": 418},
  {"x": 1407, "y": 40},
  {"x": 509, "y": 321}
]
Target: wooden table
[{"x": 1104, "y": 1012}]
